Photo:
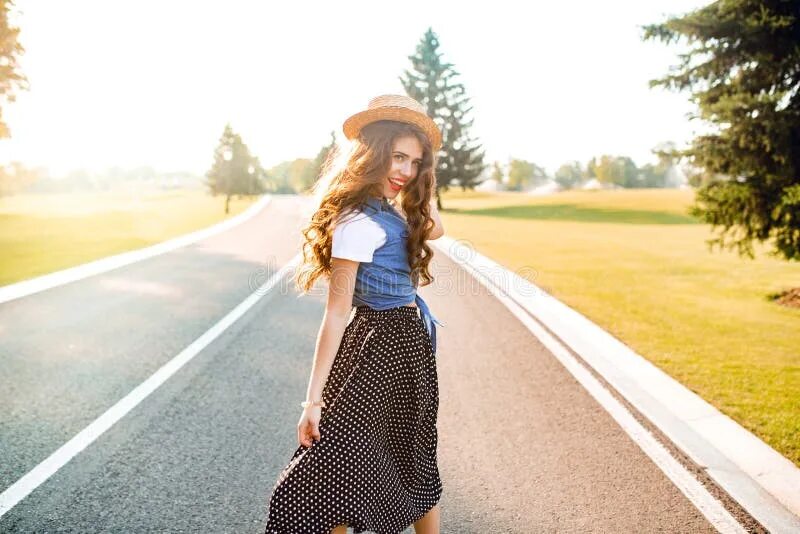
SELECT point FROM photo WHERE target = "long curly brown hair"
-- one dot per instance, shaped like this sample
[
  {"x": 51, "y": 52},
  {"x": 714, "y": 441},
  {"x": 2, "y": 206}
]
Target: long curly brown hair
[{"x": 348, "y": 186}]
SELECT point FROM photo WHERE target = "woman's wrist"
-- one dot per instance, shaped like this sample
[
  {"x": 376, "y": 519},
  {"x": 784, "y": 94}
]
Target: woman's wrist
[{"x": 313, "y": 404}]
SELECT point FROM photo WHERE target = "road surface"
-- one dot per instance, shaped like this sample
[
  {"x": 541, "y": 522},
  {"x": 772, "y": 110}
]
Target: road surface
[{"x": 522, "y": 446}]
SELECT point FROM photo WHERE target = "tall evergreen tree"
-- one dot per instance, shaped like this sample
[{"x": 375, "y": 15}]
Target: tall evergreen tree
[
  {"x": 434, "y": 84},
  {"x": 234, "y": 171},
  {"x": 11, "y": 78},
  {"x": 743, "y": 71}
]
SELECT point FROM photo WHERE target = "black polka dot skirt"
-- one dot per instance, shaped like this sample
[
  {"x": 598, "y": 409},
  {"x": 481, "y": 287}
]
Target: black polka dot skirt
[{"x": 374, "y": 467}]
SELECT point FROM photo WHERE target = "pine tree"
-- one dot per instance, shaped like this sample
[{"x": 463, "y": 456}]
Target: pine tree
[
  {"x": 234, "y": 171},
  {"x": 433, "y": 83},
  {"x": 10, "y": 76},
  {"x": 743, "y": 71}
]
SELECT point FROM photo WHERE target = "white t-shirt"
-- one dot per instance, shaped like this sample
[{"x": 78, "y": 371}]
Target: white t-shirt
[{"x": 356, "y": 236}]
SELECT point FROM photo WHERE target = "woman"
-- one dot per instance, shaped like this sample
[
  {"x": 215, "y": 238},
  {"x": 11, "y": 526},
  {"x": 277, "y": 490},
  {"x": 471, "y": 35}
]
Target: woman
[{"x": 367, "y": 434}]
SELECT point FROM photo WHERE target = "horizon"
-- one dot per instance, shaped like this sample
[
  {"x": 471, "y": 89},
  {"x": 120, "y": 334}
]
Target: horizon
[{"x": 132, "y": 97}]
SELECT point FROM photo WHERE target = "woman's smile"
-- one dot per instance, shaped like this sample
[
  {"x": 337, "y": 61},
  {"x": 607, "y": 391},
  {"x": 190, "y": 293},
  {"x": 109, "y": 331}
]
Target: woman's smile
[
  {"x": 406, "y": 161},
  {"x": 396, "y": 184}
]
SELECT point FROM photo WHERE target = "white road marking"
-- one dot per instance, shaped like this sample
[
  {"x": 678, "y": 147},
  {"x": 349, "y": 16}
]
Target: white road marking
[
  {"x": 36, "y": 476},
  {"x": 697, "y": 494},
  {"x": 65, "y": 276}
]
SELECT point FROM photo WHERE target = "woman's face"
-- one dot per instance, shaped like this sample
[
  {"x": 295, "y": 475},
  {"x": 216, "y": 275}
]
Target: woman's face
[{"x": 406, "y": 161}]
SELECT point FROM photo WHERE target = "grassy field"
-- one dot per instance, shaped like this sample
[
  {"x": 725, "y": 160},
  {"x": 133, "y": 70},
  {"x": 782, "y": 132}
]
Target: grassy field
[
  {"x": 40, "y": 234},
  {"x": 637, "y": 265}
]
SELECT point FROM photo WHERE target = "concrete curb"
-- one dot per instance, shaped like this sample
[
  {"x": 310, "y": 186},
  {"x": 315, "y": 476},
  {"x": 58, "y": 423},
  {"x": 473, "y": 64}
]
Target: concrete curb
[
  {"x": 759, "y": 478},
  {"x": 65, "y": 276}
]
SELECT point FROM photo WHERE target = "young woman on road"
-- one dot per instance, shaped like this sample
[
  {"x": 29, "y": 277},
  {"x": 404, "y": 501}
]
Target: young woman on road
[{"x": 367, "y": 433}]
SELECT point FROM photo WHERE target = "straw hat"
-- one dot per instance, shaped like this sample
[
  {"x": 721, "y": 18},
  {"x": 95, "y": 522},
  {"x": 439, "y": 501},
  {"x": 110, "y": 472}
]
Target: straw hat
[{"x": 394, "y": 108}]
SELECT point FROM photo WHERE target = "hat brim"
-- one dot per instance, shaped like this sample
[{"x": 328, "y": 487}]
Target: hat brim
[{"x": 353, "y": 124}]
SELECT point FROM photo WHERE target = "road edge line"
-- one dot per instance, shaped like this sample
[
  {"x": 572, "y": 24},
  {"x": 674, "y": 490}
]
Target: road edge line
[{"x": 751, "y": 475}]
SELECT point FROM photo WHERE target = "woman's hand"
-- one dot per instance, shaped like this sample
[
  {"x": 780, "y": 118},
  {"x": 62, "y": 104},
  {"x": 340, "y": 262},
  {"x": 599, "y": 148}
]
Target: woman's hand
[
  {"x": 438, "y": 227},
  {"x": 308, "y": 427}
]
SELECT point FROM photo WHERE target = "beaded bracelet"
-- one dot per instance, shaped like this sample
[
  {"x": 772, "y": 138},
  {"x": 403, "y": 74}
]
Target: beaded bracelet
[{"x": 306, "y": 404}]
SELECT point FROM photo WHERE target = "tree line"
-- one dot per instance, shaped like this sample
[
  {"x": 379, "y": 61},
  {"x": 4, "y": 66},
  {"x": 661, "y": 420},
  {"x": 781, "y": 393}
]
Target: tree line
[
  {"x": 605, "y": 170},
  {"x": 742, "y": 70}
]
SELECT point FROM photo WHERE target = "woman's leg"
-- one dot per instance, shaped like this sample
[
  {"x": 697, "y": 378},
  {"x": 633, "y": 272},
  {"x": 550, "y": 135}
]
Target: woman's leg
[
  {"x": 429, "y": 523},
  {"x": 341, "y": 529}
]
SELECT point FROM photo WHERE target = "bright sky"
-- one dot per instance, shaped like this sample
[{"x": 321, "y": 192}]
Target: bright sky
[{"x": 144, "y": 82}]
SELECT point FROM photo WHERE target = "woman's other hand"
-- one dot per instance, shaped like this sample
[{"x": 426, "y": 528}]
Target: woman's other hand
[{"x": 308, "y": 427}]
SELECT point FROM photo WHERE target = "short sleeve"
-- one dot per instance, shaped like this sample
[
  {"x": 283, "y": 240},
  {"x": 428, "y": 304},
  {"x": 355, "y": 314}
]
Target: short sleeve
[{"x": 356, "y": 237}]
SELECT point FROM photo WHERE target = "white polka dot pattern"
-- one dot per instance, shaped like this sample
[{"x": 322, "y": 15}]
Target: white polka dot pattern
[{"x": 374, "y": 467}]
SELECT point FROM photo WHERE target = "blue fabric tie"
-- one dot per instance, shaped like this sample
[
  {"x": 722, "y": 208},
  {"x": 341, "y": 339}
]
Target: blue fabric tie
[{"x": 429, "y": 320}]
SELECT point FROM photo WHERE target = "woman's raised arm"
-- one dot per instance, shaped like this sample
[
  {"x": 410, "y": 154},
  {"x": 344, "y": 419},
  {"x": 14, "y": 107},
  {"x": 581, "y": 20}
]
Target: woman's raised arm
[{"x": 438, "y": 229}]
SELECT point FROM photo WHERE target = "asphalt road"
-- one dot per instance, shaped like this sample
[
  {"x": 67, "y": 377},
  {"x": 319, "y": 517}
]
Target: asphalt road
[{"x": 522, "y": 447}]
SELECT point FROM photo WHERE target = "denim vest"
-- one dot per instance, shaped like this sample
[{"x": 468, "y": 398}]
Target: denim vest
[{"x": 385, "y": 282}]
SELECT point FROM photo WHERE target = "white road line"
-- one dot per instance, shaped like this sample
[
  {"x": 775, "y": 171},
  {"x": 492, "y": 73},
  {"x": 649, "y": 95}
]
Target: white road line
[
  {"x": 36, "y": 476},
  {"x": 697, "y": 494},
  {"x": 65, "y": 276}
]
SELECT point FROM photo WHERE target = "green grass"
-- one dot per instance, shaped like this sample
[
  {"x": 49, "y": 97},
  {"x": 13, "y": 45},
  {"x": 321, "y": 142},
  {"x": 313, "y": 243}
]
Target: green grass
[
  {"x": 40, "y": 234},
  {"x": 635, "y": 263},
  {"x": 571, "y": 212}
]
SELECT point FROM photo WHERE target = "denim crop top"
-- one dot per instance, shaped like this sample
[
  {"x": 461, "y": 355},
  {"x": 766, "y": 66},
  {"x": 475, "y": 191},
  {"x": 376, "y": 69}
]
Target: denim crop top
[{"x": 385, "y": 282}]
